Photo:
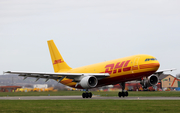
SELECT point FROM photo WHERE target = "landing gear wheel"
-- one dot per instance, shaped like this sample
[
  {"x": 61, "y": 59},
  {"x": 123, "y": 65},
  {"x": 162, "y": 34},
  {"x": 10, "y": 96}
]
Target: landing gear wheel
[
  {"x": 126, "y": 93},
  {"x": 87, "y": 95},
  {"x": 90, "y": 95},
  {"x": 123, "y": 94},
  {"x": 84, "y": 95},
  {"x": 120, "y": 94}
]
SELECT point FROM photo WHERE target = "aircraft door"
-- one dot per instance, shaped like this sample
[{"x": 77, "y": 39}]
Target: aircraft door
[{"x": 135, "y": 64}]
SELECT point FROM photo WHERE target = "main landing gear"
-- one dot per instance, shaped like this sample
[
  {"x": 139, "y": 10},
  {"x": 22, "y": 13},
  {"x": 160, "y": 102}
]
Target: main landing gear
[
  {"x": 123, "y": 94},
  {"x": 87, "y": 94}
]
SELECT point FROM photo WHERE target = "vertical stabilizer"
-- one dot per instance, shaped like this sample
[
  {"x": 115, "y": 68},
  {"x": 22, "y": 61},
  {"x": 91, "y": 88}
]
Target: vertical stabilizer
[{"x": 58, "y": 62}]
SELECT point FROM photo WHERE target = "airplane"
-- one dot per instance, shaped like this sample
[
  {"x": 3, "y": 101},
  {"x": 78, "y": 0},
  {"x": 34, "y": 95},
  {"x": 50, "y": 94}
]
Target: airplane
[{"x": 140, "y": 67}]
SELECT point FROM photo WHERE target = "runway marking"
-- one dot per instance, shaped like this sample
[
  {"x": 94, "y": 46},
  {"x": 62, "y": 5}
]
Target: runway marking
[{"x": 80, "y": 98}]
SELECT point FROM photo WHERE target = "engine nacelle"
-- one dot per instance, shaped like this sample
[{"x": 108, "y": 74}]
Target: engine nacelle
[
  {"x": 150, "y": 81},
  {"x": 88, "y": 82}
]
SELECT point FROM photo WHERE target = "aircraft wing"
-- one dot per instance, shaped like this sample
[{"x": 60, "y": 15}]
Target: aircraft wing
[
  {"x": 161, "y": 71},
  {"x": 57, "y": 76}
]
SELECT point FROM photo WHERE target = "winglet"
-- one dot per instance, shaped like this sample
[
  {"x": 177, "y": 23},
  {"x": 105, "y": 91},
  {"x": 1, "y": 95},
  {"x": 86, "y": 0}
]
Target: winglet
[
  {"x": 4, "y": 72},
  {"x": 58, "y": 62}
]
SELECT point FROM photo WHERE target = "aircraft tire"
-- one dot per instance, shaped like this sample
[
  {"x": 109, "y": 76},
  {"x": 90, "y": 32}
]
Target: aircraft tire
[
  {"x": 126, "y": 93},
  {"x": 123, "y": 94},
  {"x": 83, "y": 95},
  {"x": 87, "y": 95},
  {"x": 90, "y": 95},
  {"x": 120, "y": 94}
]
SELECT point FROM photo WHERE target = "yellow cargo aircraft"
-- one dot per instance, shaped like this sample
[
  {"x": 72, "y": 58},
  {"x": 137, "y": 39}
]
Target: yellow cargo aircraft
[{"x": 138, "y": 67}]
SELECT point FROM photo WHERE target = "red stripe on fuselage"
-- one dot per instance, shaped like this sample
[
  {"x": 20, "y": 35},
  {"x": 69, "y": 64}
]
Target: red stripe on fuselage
[
  {"x": 151, "y": 65},
  {"x": 135, "y": 67},
  {"x": 127, "y": 69}
]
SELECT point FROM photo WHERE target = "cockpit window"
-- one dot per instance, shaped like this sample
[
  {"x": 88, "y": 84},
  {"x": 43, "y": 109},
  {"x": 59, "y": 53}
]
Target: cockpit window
[{"x": 150, "y": 59}]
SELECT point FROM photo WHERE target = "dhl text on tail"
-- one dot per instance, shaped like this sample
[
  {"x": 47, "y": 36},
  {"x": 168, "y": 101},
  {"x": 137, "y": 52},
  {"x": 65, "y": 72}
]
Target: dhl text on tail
[{"x": 138, "y": 67}]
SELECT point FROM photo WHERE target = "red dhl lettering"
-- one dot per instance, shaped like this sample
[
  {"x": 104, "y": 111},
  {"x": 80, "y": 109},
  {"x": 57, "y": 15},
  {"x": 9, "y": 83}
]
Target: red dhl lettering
[
  {"x": 126, "y": 64},
  {"x": 119, "y": 66},
  {"x": 58, "y": 61},
  {"x": 109, "y": 68},
  {"x": 112, "y": 68}
]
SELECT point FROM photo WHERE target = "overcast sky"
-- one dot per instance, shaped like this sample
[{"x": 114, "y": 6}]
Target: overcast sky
[{"x": 87, "y": 32}]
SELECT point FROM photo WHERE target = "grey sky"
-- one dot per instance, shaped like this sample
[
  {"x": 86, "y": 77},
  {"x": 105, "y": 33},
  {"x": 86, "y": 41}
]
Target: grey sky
[{"x": 87, "y": 32}]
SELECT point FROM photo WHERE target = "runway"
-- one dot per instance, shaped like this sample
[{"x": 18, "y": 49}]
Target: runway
[{"x": 80, "y": 98}]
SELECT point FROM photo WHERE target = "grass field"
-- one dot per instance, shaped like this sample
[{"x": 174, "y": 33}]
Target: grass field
[
  {"x": 108, "y": 93},
  {"x": 90, "y": 106}
]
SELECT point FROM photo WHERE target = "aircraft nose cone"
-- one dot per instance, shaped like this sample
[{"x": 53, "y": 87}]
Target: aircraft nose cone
[{"x": 158, "y": 64}]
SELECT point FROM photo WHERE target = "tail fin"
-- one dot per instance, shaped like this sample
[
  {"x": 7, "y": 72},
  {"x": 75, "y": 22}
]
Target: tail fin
[{"x": 58, "y": 62}]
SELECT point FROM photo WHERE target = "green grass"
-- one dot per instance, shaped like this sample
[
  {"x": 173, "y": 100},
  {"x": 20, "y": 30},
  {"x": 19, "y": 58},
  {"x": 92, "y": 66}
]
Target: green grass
[
  {"x": 108, "y": 93},
  {"x": 58, "y": 93},
  {"x": 89, "y": 106}
]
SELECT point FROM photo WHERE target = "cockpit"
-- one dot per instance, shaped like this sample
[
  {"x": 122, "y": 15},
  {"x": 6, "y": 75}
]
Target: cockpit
[{"x": 150, "y": 59}]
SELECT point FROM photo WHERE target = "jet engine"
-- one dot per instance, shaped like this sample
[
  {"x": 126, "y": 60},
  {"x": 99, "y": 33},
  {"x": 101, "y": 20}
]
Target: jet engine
[
  {"x": 88, "y": 82},
  {"x": 150, "y": 81}
]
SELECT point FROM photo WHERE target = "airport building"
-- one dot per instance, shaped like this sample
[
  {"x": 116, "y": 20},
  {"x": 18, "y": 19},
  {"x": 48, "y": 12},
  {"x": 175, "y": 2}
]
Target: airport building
[
  {"x": 8, "y": 88},
  {"x": 168, "y": 81}
]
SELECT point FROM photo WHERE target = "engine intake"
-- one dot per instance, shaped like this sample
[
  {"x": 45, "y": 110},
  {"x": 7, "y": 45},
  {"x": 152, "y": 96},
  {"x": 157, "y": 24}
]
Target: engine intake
[
  {"x": 88, "y": 82},
  {"x": 150, "y": 81}
]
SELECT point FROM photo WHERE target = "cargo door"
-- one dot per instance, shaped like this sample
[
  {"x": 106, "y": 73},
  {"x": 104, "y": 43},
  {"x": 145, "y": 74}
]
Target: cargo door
[{"x": 135, "y": 64}]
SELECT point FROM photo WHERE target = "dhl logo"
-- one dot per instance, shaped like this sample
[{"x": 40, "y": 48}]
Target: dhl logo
[
  {"x": 58, "y": 61},
  {"x": 117, "y": 68}
]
